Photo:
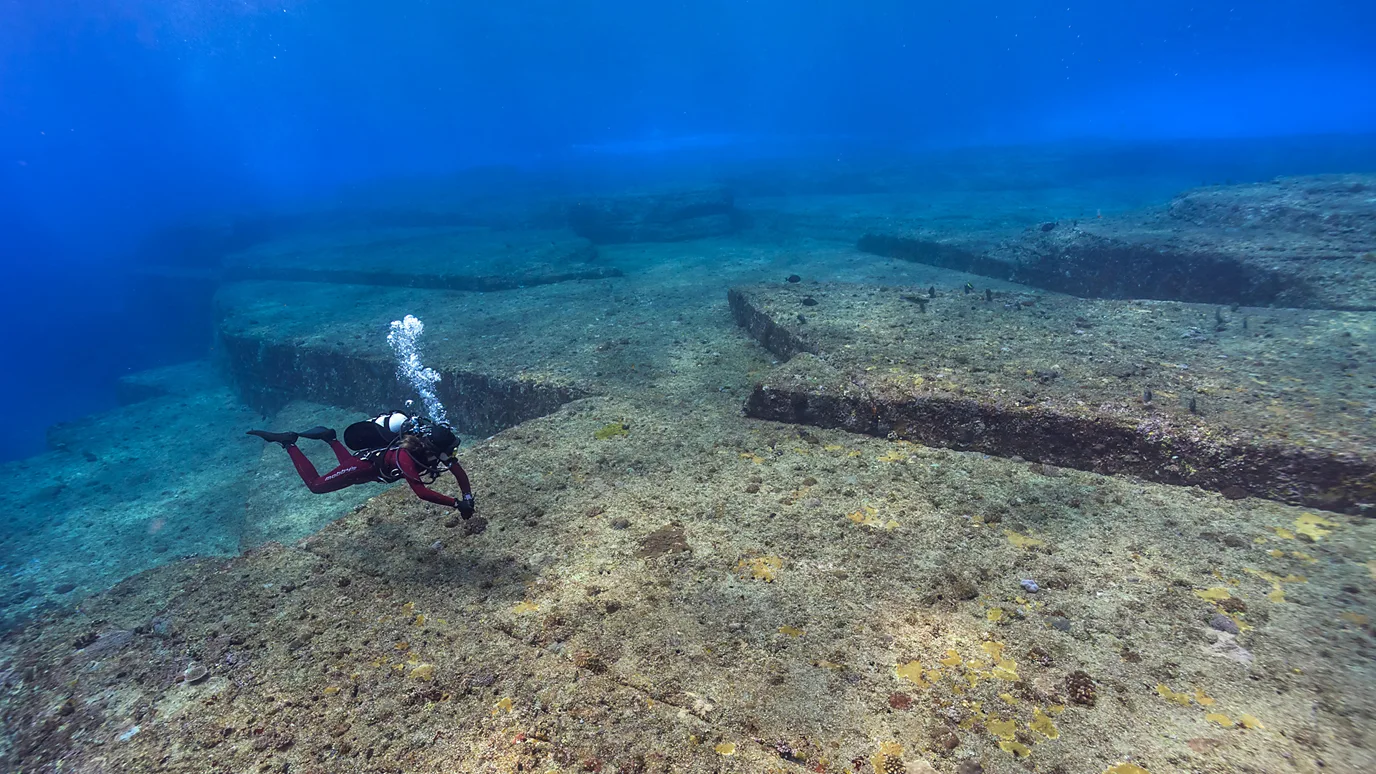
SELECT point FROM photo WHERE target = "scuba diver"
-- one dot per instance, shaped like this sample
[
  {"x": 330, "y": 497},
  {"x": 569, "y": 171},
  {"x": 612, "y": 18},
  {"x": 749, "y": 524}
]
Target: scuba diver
[{"x": 387, "y": 448}]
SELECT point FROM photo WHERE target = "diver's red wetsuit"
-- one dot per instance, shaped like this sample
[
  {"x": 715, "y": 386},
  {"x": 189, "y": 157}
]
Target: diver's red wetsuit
[{"x": 353, "y": 470}]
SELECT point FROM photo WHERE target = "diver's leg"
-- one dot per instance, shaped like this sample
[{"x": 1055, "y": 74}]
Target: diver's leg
[
  {"x": 342, "y": 453},
  {"x": 355, "y": 471}
]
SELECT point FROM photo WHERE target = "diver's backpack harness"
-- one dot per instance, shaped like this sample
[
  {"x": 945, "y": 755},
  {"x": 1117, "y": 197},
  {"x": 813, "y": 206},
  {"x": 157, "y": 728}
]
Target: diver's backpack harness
[{"x": 396, "y": 424}]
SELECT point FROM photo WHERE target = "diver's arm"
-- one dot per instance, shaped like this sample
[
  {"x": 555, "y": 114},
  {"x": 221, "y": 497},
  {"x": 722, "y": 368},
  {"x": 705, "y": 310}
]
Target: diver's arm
[
  {"x": 461, "y": 476},
  {"x": 411, "y": 472},
  {"x": 467, "y": 504}
]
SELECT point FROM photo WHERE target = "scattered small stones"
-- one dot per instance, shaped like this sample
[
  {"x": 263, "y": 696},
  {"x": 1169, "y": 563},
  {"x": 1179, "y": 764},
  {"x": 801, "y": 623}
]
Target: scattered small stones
[
  {"x": 64, "y": 588},
  {"x": 586, "y": 659},
  {"x": 668, "y": 539},
  {"x": 1226, "y": 647},
  {"x": 1080, "y": 686},
  {"x": 195, "y": 674},
  {"x": 1029, "y": 585},
  {"x": 620, "y": 522},
  {"x": 1040, "y": 656},
  {"x": 900, "y": 700},
  {"x": 1232, "y": 605},
  {"x": 944, "y": 740},
  {"x": 794, "y": 278},
  {"x": 1223, "y": 623},
  {"x": 969, "y": 767}
]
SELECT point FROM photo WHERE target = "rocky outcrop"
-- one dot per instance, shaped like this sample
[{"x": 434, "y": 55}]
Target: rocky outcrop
[
  {"x": 672, "y": 216},
  {"x": 1270, "y": 403},
  {"x": 1304, "y": 242}
]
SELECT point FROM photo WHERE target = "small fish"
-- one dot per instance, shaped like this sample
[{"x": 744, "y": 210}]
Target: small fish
[{"x": 1146, "y": 395}]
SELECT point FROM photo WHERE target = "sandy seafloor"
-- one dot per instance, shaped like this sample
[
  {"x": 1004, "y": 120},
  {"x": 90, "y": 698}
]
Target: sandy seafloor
[{"x": 658, "y": 584}]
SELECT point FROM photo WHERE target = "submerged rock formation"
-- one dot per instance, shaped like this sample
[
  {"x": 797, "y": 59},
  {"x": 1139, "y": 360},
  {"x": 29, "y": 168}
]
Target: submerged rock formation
[
  {"x": 1300, "y": 242},
  {"x": 672, "y": 216}
]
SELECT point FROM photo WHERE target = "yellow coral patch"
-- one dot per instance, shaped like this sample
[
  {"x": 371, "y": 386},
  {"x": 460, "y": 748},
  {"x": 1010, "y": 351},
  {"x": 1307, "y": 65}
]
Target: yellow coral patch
[
  {"x": 1219, "y": 718},
  {"x": 1125, "y": 768},
  {"x": 1354, "y": 618},
  {"x": 1008, "y": 699},
  {"x": 1313, "y": 526},
  {"x": 726, "y": 748},
  {"x": 994, "y": 614},
  {"x": 1276, "y": 594},
  {"x": 1371, "y": 569},
  {"x": 1022, "y": 541},
  {"x": 1043, "y": 725},
  {"x": 1016, "y": 749},
  {"x": 952, "y": 659},
  {"x": 910, "y": 671},
  {"x": 1003, "y": 729},
  {"x": 1247, "y": 721},
  {"x": 503, "y": 705},
  {"x": 1204, "y": 701},
  {"x": 1282, "y": 532},
  {"x": 868, "y": 516},
  {"x": 995, "y": 650},
  {"x": 423, "y": 672},
  {"x": 1276, "y": 553},
  {"x": 1006, "y": 670},
  {"x": 1169, "y": 695},
  {"x": 791, "y": 631},
  {"x": 1303, "y": 557},
  {"x": 612, "y": 430},
  {"x": 887, "y": 751},
  {"x": 525, "y": 607},
  {"x": 764, "y": 568},
  {"x": 1215, "y": 594}
]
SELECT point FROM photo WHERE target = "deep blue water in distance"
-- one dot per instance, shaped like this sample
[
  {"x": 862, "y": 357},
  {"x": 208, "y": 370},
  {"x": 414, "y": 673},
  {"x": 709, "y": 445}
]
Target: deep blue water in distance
[{"x": 118, "y": 117}]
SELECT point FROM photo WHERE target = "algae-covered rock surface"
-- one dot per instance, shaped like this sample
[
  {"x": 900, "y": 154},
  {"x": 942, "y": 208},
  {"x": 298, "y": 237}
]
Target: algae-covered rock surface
[
  {"x": 657, "y": 579},
  {"x": 705, "y": 595}
]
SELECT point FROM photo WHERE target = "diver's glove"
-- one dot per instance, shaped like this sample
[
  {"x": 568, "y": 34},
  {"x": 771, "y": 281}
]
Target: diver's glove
[{"x": 466, "y": 505}]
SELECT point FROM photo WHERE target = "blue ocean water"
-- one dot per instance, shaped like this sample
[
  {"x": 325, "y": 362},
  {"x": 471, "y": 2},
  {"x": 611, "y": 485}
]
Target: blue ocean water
[{"x": 121, "y": 118}]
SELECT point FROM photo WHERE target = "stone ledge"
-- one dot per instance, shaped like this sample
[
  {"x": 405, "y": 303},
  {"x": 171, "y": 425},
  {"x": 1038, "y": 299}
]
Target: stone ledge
[{"x": 1063, "y": 381}]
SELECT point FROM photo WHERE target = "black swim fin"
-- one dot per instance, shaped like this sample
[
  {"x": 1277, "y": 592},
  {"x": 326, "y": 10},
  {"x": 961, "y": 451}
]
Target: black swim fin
[
  {"x": 286, "y": 439},
  {"x": 319, "y": 433}
]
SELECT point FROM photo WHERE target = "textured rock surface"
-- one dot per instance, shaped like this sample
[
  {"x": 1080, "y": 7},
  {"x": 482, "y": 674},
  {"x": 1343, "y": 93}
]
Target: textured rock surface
[
  {"x": 400, "y": 639},
  {"x": 1299, "y": 242},
  {"x": 1283, "y": 399},
  {"x": 672, "y": 216}
]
